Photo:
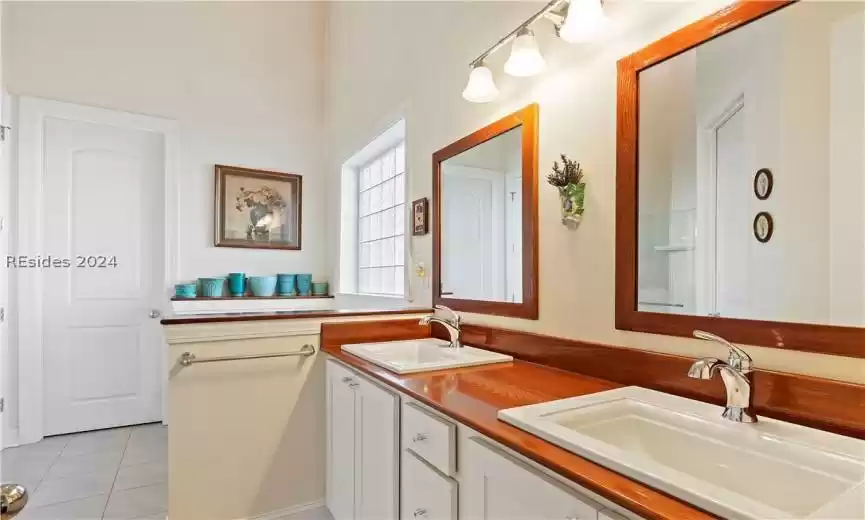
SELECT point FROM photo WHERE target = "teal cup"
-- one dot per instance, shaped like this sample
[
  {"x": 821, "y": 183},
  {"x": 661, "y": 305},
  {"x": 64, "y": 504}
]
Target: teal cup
[
  {"x": 212, "y": 287},
  {"x": 319, "y": 288},
  {"x": 262, "y": 285},
  {"x": 237, "y": 284},
  {"x": 286, "y": 284},
  {"x": 186, "y": 290},
  {"x": 304, "y": 284}
]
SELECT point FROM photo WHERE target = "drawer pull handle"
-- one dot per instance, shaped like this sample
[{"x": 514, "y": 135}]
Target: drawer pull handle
[
  {"x": 354, "y": 385},
  {"x": 346, "y": 379},
  {"x": 419, "y": 512},
  {"x": 420, "y": 437}
]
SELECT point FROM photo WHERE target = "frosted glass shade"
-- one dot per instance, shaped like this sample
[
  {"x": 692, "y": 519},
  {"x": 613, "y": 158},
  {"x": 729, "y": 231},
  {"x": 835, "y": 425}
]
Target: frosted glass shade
[
  {"x": 585, "y": 20},
  {"x": 525, "y": 59},
  {"x": 481, "y": 88}
]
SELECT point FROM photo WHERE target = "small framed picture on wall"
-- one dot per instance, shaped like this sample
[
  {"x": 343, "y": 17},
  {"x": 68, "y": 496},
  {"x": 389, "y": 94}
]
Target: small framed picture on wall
[{"x": 420, "y": 217}]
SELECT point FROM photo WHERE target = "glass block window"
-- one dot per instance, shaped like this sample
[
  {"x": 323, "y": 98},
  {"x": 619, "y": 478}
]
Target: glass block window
[{"x": 381, "y": 223}]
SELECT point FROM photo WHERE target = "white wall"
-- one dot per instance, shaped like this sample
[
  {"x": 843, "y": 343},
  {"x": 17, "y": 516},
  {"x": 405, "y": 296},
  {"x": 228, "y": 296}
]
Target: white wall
[
  {"x": 244, "y": 81},
  {"x": 390, "y": 59}
]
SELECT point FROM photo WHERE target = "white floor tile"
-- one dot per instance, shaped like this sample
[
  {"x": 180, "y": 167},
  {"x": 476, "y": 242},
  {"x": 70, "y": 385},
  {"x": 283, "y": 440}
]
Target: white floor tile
[
  {"x": 99, "y": 441},
  {"x": 88, "y": 463},
  {"x": 319, "y": 513},
  {"x": 149, "y": 433},
  {"x": 87, "y": 509},
  {"x": 141, "y": 475},
  {"x": 55, "y": 490},
  {"x": 27, "y": 466},
  {"x": 141, "y": 452},
  {"x": 137, "y": 502}
]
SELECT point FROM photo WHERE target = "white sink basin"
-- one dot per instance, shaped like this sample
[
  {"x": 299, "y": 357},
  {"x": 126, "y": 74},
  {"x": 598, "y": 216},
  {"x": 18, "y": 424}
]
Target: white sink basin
[
  {"x": 421, "y": 355},
  {"x": 770, "y": 469}
]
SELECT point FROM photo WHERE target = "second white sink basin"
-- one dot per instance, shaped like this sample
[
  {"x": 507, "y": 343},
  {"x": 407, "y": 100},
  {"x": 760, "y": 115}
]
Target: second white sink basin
[
  {"x": 421, "y": 355},
  {"x": 770, "y": 469}
]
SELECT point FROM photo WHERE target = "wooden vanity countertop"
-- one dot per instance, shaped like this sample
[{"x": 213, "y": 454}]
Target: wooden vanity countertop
[{"x": 473, "y": 396}]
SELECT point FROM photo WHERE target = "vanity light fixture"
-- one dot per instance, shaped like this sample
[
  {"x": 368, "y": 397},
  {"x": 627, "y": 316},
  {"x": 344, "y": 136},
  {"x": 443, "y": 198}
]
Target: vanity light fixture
[
  {"x": 575, "y": 21},
  {"x": 481, "y": 88},
  {"x": 525, "y": 59},
  {"x": 584, "y": 20}
]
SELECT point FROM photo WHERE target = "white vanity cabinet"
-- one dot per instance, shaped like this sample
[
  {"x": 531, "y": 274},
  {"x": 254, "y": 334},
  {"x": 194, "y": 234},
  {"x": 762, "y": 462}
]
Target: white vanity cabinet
[
  {"x": 496, "y": 486},
  {"x": 362, "y": 447},
  {"x": 448, "y": 471}
]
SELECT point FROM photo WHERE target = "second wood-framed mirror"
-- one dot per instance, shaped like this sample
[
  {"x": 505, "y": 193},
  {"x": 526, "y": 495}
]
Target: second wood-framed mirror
[
  {"x": 485, "y": 211},
  {"x": 741, "y": 180}
]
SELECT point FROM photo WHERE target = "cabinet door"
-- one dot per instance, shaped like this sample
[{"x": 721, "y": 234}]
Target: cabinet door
[
  {"x": 499, "y": 487},
  {"x": 340, "y": 442},
  {"x": 377, "y": 420},
  {"x": 426, "y": 493}
]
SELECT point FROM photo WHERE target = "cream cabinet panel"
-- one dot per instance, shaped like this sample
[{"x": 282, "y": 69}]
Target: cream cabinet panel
[{"x": 498, "y": 487}]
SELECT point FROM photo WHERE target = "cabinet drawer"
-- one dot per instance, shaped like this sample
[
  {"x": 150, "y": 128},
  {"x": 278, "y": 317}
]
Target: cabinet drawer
[
  {"x": 430, "y": 437},
  {"x": 426, "y": 494}
]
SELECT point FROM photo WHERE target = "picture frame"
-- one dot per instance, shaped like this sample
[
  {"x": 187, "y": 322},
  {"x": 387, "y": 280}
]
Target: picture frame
[
  {"x": 257, "y": 209},
  {"x": 763, "y": 183},
  {"x": 764, "y": 226},
  {"x": 420, "y": 217}
]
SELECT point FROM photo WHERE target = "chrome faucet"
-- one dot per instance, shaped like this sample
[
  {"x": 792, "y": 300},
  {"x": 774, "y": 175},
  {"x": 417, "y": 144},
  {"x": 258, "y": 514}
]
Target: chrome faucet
[
  {"x": 452, "y": 324},
  {"x": 737, "y": 375}
]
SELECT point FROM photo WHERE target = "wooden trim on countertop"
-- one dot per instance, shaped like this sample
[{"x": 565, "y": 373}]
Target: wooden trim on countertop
[
  {"x": 834, "y": 406},
  {"x": 473, "y": 396},
  {"x": 283, "y": 315}
]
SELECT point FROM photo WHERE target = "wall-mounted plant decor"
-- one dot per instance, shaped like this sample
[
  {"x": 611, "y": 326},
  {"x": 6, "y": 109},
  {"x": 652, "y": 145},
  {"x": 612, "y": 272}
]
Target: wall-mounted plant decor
[{"x": 568, "y": 178}]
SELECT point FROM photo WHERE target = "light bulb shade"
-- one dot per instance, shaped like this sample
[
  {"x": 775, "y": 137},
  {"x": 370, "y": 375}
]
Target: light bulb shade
[
  {"x": 525, "y": 58},
  {"x": 481, "y": 88},
  {"x": 585, "y": 20}
]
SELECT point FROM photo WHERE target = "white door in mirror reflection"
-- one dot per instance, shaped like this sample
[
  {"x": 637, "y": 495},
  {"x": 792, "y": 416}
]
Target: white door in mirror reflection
[{"x": 481, "y": 234}]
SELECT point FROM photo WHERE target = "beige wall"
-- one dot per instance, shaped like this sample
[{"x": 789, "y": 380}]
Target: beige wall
[{"x": 389, "y": 60}]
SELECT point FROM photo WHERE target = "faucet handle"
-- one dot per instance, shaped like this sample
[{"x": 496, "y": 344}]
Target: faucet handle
[
  {"x": 738, "y": 358},
  {"x": 454, "y": 317}
]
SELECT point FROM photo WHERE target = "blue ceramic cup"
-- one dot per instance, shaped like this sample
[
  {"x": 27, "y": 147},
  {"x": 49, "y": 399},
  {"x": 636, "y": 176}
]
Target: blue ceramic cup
[
  {"x": 237, "y": 284},
  {"x": 262, "y": 285},
  {"x": 212, "y": 287},
  {"x": 286, "y": 284},
  {"x": 319, "y": 288},
  {"x": 304, "y": 284},
  {"x": 186, "y": 290}
]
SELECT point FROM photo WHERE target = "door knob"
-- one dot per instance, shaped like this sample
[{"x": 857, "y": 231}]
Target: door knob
[{"x": 155, "y": 313}]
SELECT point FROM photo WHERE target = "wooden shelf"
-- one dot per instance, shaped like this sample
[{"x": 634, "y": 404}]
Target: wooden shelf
[{"x": 249, "y": 297}]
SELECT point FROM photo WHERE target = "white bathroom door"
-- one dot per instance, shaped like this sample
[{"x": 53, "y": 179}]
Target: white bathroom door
[
  {"x": 733, "y": 221},
  {"x": 103, "y": 220}
]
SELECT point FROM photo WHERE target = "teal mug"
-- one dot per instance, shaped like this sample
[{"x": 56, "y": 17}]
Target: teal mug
[
  {"x": 262, "y": 285},
  {"x": 212, "y": 287},
  {"x": 286, "y": 284},
  {"x": 186, "y": 290},
  {"x": 237, "y": 284},
  {"x": 304, "y": 284},
  {"x": 319, "y": 288}
]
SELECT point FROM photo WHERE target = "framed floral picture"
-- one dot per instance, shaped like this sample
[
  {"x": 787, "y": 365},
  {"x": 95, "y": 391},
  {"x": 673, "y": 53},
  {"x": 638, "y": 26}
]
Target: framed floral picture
[{"x": 257, "y": 208}]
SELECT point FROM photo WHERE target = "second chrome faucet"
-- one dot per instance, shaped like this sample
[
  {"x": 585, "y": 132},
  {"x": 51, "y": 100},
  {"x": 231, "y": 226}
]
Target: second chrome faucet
[{"x": 737, "y": 375}]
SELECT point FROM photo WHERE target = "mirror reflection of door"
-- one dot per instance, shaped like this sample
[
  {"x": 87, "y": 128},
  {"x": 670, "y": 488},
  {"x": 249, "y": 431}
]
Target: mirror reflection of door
[{"x": 482, "y": 221}]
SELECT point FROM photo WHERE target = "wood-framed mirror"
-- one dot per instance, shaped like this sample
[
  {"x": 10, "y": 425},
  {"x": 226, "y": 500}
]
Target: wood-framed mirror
[
  {"x": 485, "y": 211},
  {"x": 703, "y": 114}
]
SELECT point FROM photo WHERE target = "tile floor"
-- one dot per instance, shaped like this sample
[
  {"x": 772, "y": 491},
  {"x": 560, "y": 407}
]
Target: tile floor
[{"x": 117, "y": 474}]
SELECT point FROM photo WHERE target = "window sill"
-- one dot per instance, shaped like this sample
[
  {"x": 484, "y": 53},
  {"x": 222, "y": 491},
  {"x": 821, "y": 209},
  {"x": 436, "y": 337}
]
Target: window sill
[{"x": 374, "y": 295}]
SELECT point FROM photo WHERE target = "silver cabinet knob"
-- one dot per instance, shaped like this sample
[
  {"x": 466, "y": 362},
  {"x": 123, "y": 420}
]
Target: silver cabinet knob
[
  {"x": 346, "y": 379},
  {"x": 154, "y": 313},
  {"x": 420, "y": 437},
  {"x": 419, "y": 512},
  {"x": 354, "y": 385}
]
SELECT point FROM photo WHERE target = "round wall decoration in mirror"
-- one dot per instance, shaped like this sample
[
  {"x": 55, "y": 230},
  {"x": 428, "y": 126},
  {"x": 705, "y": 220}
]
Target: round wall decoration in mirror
[
  {"x": 763, "y": 226},
  {"x": 763, "y": 182}
]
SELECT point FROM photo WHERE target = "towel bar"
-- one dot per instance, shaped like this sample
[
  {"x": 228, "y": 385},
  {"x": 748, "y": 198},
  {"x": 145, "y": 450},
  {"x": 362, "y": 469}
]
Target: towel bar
[{"x": 188, "y": 358}]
